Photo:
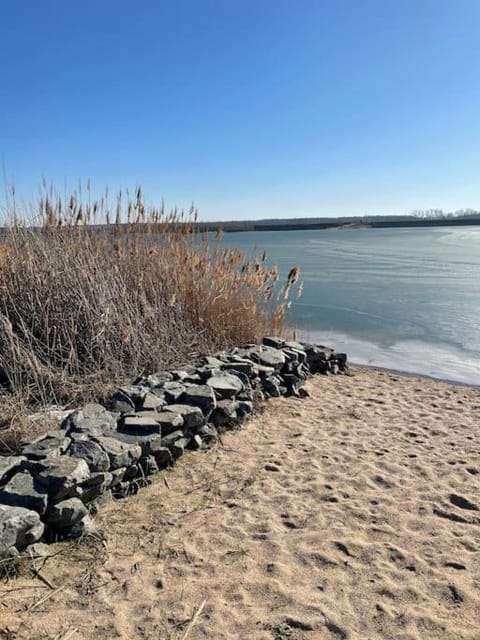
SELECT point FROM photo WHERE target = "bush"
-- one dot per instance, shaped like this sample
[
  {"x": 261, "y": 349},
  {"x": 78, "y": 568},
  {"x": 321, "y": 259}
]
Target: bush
[{"x": 86, "y": 306}]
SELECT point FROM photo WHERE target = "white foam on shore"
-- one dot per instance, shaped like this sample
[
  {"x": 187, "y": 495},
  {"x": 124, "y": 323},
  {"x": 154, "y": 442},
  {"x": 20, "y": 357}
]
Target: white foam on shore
[{"x": 409, "y": 356}]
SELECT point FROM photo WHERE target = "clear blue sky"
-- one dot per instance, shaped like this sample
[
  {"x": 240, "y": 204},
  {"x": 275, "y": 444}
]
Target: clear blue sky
[{"x": 249, "y": 108}]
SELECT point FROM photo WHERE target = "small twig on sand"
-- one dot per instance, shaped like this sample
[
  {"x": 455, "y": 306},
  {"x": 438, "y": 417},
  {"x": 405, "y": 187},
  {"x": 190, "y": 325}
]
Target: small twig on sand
[
  {"x": 194, "y": 619},
  {"x": 37, "y": 574},
  {"x": 166, "y": 483},
  {"x": 69, "y": 633},
  {"x": 45, "y": 597}
]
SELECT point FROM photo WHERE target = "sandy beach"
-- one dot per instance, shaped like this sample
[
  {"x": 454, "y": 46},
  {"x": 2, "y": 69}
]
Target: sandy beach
[{"x": 351, "y": 514}]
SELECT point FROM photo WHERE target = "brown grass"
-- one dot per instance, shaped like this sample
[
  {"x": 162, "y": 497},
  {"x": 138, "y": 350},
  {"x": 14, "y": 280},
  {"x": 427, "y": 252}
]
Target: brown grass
[{"x": 85, "y": 307}]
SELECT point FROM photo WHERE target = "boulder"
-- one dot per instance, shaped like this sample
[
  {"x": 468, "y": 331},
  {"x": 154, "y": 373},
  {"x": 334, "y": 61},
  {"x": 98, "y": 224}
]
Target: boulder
[
  {"x": 93, "y": 454},
  {"x": 120, "y": 402},
  {"x": 192, "y": 416},
  {"x": 61, "y": 476},
  {"x": 173, "y": 391},
  {"x": 96, "y": 485},
  {"x": 19, "y": 527},
  {"x": 268, "y": 357},
  {"x": 225, "y": 385},
  {"x": 51, "y": 445},
  {"x": 245, "y": 407},
  {"x": 82, "y": 527},
  {"x": 24, "y": 491},
  {"x": 225, "y": 412},
  {"x": 240, "y": 365},
  {"x": 208, "y": 433},
  {"x": 148, "y": 465},
  {"x": 155, "y": 380},
  {"x": 178, "y": 447},
  {"x": 66, "y": 513},
  {"x": 201, "y": 396},
  {"x": 150, "y": 444},
  {"x": 273, "y": 341},
  {"x": 92, "y": 420},
  {"x": 163, "y": 457},
  {"x": 143, "y": 424},
  {"x": 120, "y": 454},
  {"x": 10, "y": 465},
  {"x": 153, "y": 401}
]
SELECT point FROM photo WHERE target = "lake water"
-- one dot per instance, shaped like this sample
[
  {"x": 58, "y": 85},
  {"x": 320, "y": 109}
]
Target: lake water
[{"x": 406, "y": 299}]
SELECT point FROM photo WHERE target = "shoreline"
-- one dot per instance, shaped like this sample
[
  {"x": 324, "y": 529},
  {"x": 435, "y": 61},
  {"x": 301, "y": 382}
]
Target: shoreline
[{"x": 410, "y": 374}]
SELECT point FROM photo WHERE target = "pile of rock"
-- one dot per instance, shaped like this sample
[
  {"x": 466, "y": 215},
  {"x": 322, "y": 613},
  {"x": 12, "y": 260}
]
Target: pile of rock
[{"x": 50, "y": 490}]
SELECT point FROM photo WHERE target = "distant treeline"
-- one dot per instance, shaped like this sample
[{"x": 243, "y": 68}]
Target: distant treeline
[{"x": 431, "y": 218}]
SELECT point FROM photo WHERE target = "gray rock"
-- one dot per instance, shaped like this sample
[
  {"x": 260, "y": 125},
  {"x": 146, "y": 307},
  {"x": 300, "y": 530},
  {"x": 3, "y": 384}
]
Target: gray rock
[
  {"x": 163, "y": 457},
  {"x": 85, "y": 526},
  {"x": 96, "y": 485},
  {"x": 179, "y": 446},
  {"x": 148, "y": 465},
  {"x": 197, "y": 442},
  {"x": 214, "y": 362},
  {"x": 208, "y": 433},
  {"x": 153, "y": 402},
  {"x": 122, "y": 490},
  {"x": 39, "y": 550},
  {"x": 226, "y": 385},
  {"x": 24, "y": 491},
  {"x": 171, "y": 438},
  {"x": 173, "y": 391},
  {"x": 19, "y": 527},
  {"x": 120, "y": 454},
  {"x": 92, "y": 453},
  {"x": 60, "y": 476},
  {"x": 140, "y": 424},
  {"x": 92, "y": 420},
  {"x": 117, "y": 475},
  {"x": 192, "y": 416},
  {"x": 168, "y": 420},
  {"x": 245, "y": 407},
  {"x": 51, "y": 445},
  {"x": 131, "y": 472},
  {"x": 273, "y": 341},
  {"x": 120, "y": 402},
  {"x": 241, "y": 365},
  {"x": 150, "y": 444},
  {"x": 296, "y": 346},
  {"x": 10, "y": 465},
  {"x": 268, "y": 356},
  {"x": 200, "y": 396},
  {"x": 66, "y": 513},
  {"x": 225, "y": 412}
]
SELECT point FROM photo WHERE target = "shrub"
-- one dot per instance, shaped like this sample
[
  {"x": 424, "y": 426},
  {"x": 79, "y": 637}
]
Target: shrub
[{"x": 86, "y": 306}]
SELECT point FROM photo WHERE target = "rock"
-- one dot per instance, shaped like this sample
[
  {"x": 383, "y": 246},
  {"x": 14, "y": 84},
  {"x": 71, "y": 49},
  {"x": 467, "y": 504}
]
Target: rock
[
  {"x": 120, "y": 402},
  {"x": 148, "y": 465},
  {"x": 208, "y": 433},
  {"x": 96, "y": 485},
  {"x": 213, "y": 362},
  {"x": 201, "y": 396},
  {"x": 173, "y": 391},
  {"x": 226, "y": 385},
  {"x": 150, "y": 444},
  {"x": 10, "y": 465},
  {"x": 245, "y": 407},
  {"x": 171, "y": 438},
  {"x": 197, "y": 442},
  {"x": 92, "y": 420},
  {"x": 240, "y": 365},
  {"x": 24, "y": 491},
  {"x": 271, "y": 387},
  {"x": 268, "y": 356},
  {"x": 117, "y": 475},
  {"x": 179, "y": 446},
  {"x": 19, "y": 527},
  {"x": 163, "y": 457},
  {"x": 135, "y": 393},
  {"x": 273, "y": 341},
  {"x": 131, "y": 472},
  {"x": 153, "y": 402},
  {"x": 60, "y": 476},
  {"x": 192, "y": 416},
  {"x": 225, "y": 412},
  {"x": 140, "y": 424},
  {"x": 122, "y": 490},
  {"x": 93, "y": 454},
  {"x": 294, "y": 345},
  {"x": 66, "y": 513},
  {"x": 51, "y": 445},
  {"x": 85, "y": 526},
  {"x": 120, "y": 454}
]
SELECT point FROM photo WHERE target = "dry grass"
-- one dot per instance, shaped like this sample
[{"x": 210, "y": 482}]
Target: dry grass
[{"x": 85, "y": 307}]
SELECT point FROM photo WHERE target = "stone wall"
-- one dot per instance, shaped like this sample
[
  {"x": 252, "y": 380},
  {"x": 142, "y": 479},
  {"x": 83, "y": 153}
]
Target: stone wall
[{"x": 53, "y": 488}]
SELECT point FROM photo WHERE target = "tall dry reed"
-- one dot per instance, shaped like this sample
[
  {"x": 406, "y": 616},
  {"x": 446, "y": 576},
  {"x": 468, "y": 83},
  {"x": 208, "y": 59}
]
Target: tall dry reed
[{"x": 93, "y": 295}]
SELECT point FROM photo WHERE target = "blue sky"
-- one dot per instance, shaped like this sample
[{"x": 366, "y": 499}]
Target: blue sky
[{"x": 249, "y": 108}]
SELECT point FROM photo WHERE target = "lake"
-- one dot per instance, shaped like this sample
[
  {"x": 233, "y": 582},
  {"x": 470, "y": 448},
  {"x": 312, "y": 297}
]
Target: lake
[{"x": 406, "y": 299}]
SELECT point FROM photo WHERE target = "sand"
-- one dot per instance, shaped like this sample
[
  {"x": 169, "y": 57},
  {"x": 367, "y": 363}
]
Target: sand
[{"x": 352, "y": 514}]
